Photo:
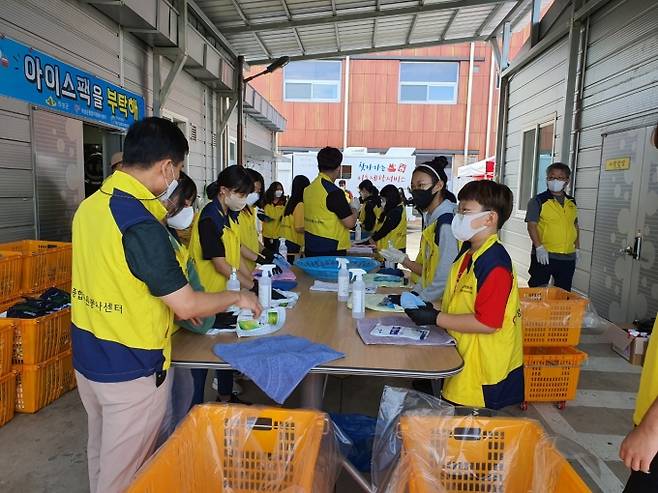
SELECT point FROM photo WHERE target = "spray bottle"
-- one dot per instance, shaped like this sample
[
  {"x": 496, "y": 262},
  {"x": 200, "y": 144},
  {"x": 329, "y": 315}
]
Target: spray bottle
[
  {"x": 233, "y": 282},
  {"x": 357, "y": 232},
  {"x": 265, "y": 285},
  {"x": 387, "y": 263},
  {"x": 283, "y": 248},
  {"x": 343, "y": 279},
  {"x": 358, "y": 294}
]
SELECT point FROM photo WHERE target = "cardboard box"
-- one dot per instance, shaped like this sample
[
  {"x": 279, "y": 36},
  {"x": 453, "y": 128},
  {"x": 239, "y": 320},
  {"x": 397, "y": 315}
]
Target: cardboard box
[{"x": 631, "y": 348}]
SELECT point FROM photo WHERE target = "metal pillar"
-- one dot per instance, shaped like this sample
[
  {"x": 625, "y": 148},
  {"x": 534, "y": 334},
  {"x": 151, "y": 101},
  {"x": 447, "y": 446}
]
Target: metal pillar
[
  {"x": 570, "y": 83},
  {"x": 507, "y": 38},
  {"x": 240, "y": 100}
]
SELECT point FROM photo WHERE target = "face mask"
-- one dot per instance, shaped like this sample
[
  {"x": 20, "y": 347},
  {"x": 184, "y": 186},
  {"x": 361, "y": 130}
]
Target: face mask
[
  {"x": 423, "y": 198},
  {"x": 183, "y": 219},
  {"x": 556, "y": 185},
  {"x": 166, "y": 195},
  {"x": 236, "y": 203},
  {"x": 278, "y": 193},
  {"x": 461, "y": 225},
  {"x": 252, "y": 198}
]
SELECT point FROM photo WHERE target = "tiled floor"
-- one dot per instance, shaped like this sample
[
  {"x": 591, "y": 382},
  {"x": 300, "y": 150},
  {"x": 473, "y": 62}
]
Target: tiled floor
[{"x": 45, "y": 452}]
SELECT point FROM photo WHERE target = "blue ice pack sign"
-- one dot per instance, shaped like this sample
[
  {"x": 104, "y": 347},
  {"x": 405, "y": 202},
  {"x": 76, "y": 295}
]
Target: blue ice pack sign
[{"x": 32, "y": 76}]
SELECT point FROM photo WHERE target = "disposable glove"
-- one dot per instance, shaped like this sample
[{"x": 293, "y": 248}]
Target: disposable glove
[
  {"x": 542, "y": 255},
  {"x": 423, "y": 316},
  {"x": 394, "y": 255}
]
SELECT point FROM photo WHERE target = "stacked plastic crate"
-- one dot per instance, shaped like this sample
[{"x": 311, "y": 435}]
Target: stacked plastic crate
[
  {"x": 552, "y": 321},
  {"x": 10, "y": 291},
  {"x": 41, "y": 356}
]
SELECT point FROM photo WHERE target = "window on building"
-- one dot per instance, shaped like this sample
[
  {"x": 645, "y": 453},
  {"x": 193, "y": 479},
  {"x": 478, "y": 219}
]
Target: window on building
[
  {"x": 232, "y": 152},
  {"x": 346, "y": 171},
  {"x": 536, "y": 156},
  {"x": 429, "y": 82},
  {"x": 312, "y": 81}
]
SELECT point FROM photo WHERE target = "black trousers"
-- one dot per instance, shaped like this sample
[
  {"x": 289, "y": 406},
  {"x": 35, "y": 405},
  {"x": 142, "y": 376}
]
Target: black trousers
[
  {"x": 560, "y": 270},
  {"x": 640, "y": 482}
]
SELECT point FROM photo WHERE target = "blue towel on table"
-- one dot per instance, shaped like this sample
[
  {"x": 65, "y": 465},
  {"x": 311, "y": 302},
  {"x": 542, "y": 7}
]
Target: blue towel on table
[{"x": 276, "y": 364}]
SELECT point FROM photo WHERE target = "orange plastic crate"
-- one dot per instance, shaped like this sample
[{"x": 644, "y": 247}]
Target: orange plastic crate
[
  {"x": 39, "y": 385},
  {"x": 39, "y": 339},
  {"x": 551, "y": 374},
  {"x": 7, "y": 397},
  {"x": 494, "y": 455},
  {"x": 11, "y": 264},
  {"x": 45, "y": 263},
  {"x": 551, "y": 316},
  {"x": 6, "y": 347},
  {"x": 236, "y": 449}
]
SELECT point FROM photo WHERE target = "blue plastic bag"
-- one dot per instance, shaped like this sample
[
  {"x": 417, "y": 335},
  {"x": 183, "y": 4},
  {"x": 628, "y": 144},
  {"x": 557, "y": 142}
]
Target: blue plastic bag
[{"x": 361, "y": 431}]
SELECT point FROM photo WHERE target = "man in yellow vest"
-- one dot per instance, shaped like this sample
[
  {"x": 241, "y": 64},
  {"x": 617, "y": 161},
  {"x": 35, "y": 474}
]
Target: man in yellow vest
[
  {"x": 328, "y": 216},
  {"x": 552, "y": 218},
  {"x": 639, "y": 450},
  {"x": 127, "y": 286}
]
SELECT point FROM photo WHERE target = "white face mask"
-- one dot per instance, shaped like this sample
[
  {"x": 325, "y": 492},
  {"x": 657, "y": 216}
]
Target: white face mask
[
  {"x": 252, "y": 198},
  {"x": 183, "y": 219},
  {"x": 166, "y": 195},
  {"x": 556, "y": 185},
  {"x": 278, "y": 193},
  {"x": 462, "y": 225},
  {"x": 236, "y": 203}
]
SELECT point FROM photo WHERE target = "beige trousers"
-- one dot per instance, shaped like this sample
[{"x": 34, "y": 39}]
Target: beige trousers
[{"x": 124, "y": 420}]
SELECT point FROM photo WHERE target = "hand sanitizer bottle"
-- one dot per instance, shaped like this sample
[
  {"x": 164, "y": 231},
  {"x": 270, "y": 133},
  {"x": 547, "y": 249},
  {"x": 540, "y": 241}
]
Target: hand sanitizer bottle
[
  {"x": 265, "y": 286},
  {"x": 357, "y": 232},
  {"x": 283, "y": 248},
  {"x": 343, "y": 279},
  {"x": 358, "y": 294},
  {"x": 233, "y": 282},
  {"x": 388, "y": 264}
]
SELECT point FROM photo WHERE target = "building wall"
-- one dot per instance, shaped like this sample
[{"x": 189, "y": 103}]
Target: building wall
[
  {"x": 377, "y": 120},
  {"x": 80, "y": 35},
  {"x": 536, "y": 96}
]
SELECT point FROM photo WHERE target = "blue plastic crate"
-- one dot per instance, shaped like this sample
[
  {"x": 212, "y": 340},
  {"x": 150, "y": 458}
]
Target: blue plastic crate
[{"x": 326, "y": 268}]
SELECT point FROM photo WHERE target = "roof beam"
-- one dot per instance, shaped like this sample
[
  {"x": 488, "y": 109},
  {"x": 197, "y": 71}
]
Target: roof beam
[
  {"x": 338, "y": 48},
  {"x": 360, "y": 51},
  {"x": 262, "y": 46},
  {"x": 240, "y": 12},
  {"x": 509, "y": 15},
  {"x": 374, "y": 33},
  {"x": 450, "y": 21},
  {"x": 333, "y": 7},
  {"x": 319, "y": 20},
  {"x": 535, "y": 19},
  {"x": 492, "y": 14},
  {"x": 284, "y": 4},
  {"x": 411, "y": 28}
]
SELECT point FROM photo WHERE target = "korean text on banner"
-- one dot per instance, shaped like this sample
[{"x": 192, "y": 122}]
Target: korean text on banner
[{"x": 37, "y": 78}]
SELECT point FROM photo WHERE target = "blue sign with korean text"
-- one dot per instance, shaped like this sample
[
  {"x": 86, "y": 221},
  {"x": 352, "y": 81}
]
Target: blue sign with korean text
[{"x": 37, "y": 78}]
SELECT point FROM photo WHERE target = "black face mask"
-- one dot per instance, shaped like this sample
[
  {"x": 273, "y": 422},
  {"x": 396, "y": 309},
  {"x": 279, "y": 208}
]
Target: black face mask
[{"x": 423, "y": 198}]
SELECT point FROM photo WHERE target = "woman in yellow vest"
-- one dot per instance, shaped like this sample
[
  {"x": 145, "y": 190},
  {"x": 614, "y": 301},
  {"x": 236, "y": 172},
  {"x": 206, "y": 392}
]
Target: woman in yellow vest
[
  {"x": 250, "y": 246},
  {"x": 370, "y": 207},
  {"x": 275, "y": 203},
  {"x": 438, "y": 246},
  {"x": 391, "y": 226},
  {"x": 292, "y": 222},
  {"x": 480, "y": 307}
]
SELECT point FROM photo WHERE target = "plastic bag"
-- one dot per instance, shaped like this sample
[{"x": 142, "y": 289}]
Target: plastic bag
[
  {"x": 387, "y": 445},
  {"x": 361, "y": 431},
  {"x": 593, "y": 323},
  {"x": 232, "y": 448}
]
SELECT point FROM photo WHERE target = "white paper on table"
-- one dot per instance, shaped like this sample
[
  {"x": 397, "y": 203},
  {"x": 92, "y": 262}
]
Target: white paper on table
[{"x": 332, "y": 287}]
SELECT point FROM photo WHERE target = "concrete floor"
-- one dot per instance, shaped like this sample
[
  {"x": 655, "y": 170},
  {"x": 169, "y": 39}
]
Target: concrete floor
[{"x": 45, "y": 452}]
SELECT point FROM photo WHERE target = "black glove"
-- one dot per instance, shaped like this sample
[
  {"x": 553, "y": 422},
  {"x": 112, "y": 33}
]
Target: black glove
[
  {"x": 265, "y": 257},
  {"x": 277, "y": 296},
  {"x": 277, "y": 270},
  {"x": 394, "y": 298},
  {"x": 225, "y": 320},
  {"x": 423, "y": 316}
]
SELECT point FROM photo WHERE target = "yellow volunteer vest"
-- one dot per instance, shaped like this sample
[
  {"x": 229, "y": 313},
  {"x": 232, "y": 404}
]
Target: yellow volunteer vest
[
  {"x": 211, "y": 280},
  {"x": 362, "y": 215},
  {"x": 430, "y": 254},
  {"x": 249, "y": 233},
  {"x": 320, "y": 221},
  {"x": 557, "y": 230},
  {"x": 648, "y": 391},
  {"x": 288, "y": 231},
  {"x": 183, "y": 257},
  {"x": 106, "y": 299},
  {"x": 397, "y": 237},
  {"x": 488, "y": 358},
  {"x": 271, "y": 228}
]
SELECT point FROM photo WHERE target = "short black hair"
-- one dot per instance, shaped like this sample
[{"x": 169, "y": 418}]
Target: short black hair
[
  {"x": 299, "y": 183},
  {"x": 269, "y": 193},
  {"x": 235, "y": 178},
  {"x": 329, "y": 158},
  {"x": 559, "y": 167},
  {"x": 491, "y": 196},
  {"x": 342, "y": 182},
  {"x": 151, "y": 140}
]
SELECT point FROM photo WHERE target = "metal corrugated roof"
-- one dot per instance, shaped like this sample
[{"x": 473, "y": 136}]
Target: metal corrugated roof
[{"x": 263, "y": 30}]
